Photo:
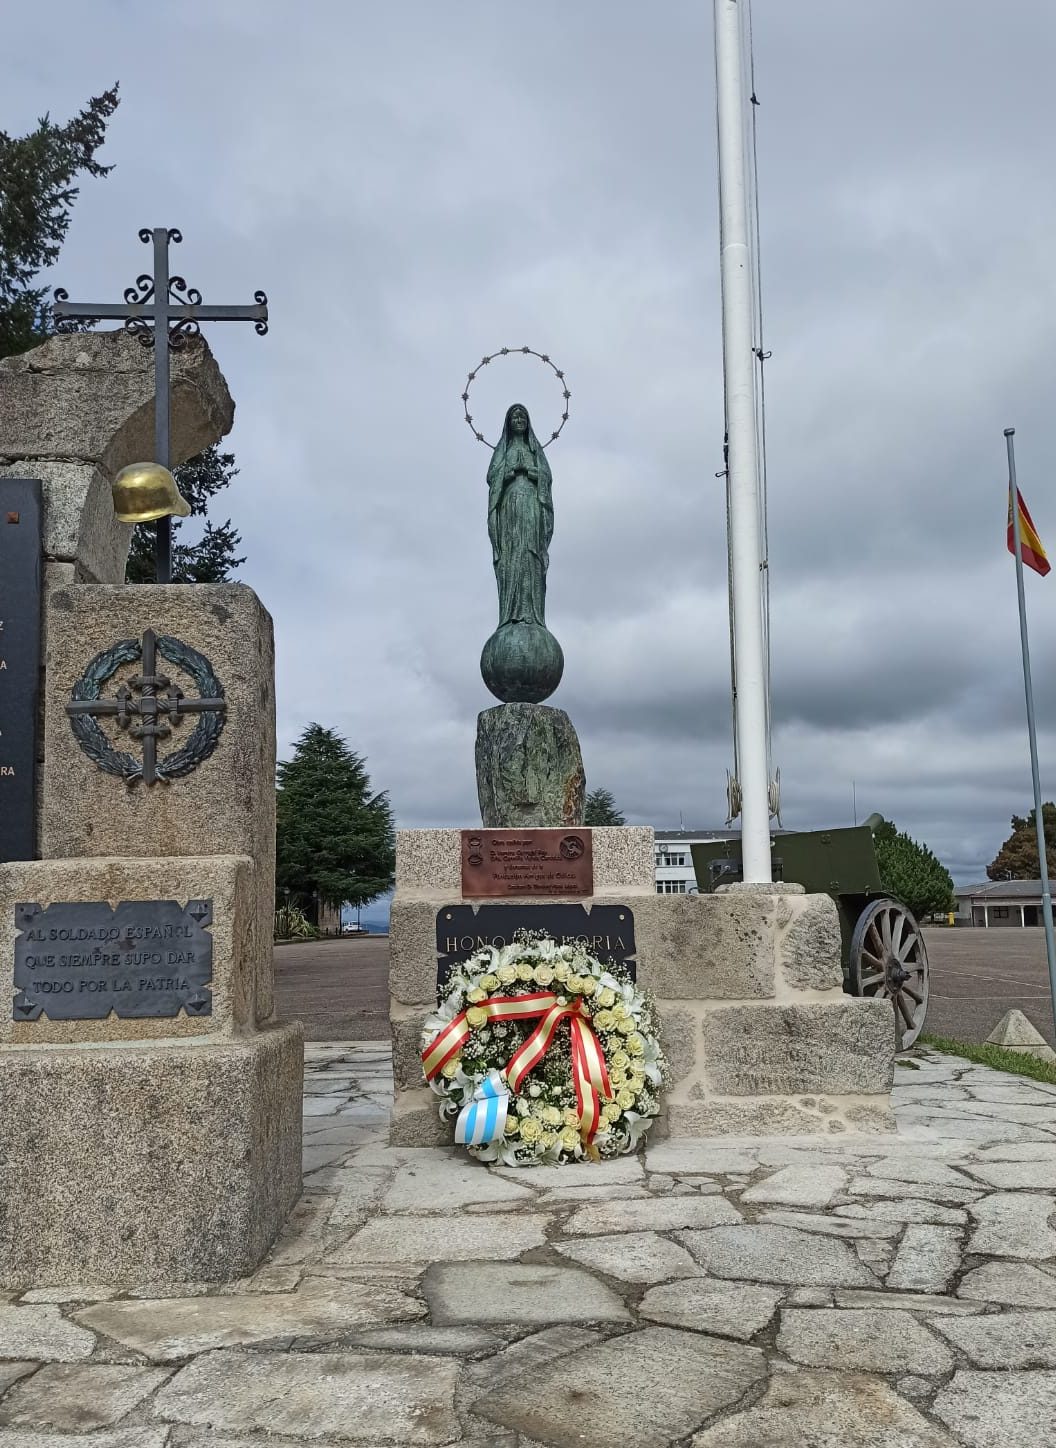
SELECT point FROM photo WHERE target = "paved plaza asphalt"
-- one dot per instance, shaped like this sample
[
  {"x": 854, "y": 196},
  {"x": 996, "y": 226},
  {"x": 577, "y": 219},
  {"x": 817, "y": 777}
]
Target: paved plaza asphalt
[{"x": 338, "y": 988}]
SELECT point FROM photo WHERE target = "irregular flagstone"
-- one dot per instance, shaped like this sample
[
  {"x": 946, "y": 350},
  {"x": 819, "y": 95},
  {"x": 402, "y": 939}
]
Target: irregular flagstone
[
  {"x": 1037, "y": 1115},
  {"x": 799, "y": 1186},
  {"x": 877, "y": 1187},
  {"x": 41, "y": 1331},
  {"x": 515, "y": 1294},
  {"x": 833, "y": 1226},
  {"x": 826, "y": 1410},
  {"x": 1019, "y": 1151},
  {"x": 581, "y": 1173},
  {"x": 532, "y": 1354},
  {"x": 357, "y": 1190},
  {"x": 729, "y": 1309},
  {"x": 990, "y": 1410},
  {"x": 928, "y": 1258},
  {"x": 631, "y": 1256},
  {"x": 685, "y": 1155},
  {"x": 1006, "y": 1339},
  {"x": 658, "y": 1214},
  {"x": 574, "y": 1196},
  {"x": 364, "y": 1398},
  {"x": 267, "y": 1279},
  {"x": 905, "y": 1301},
  {"x": 11, "y": 1372},
  {"x": 442, "y": 1341},
  {"x": 76, "y": 1397},
  {"x": 450, "y": 1185},
  {"x": 862, "y": 1339},
  {"x": 931, "y": 1124},
  {"x": 439, "y": 1239},
  {"x": 1013, "y": 1284},
  {"x": 1013, "y": 1225},
  {"x": 170, "y": 1329},
  {"x": 904, "y": 1211},
  {"x": 1015, "y": 1175},
  {"x": 777, "y": 1254},
  {"x": 923, "y": 1170},
  {"x": 876, "y": 1254},
  {"x": 649, "y": 1388},
  {"x": 73, "y": 1293},
  {"x": 115, "y": 1438}
]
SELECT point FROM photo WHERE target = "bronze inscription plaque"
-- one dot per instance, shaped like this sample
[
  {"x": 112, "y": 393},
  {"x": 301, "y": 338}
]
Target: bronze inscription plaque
[{"x": 527, "y": 862}]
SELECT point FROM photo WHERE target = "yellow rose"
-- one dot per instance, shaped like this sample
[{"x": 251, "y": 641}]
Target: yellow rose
[
  {"x": 561, "y": 972},
  {"x": 625, "y": 1098},
  {"x": 625, "y": 1025},
  {"x": 489, "y": 982},
  {"x": 636, "y": 1082},
  {"x": 603, "y": 1020},
  {"x": 547, "y": 1139},
  {"x": 570, "y": 1138},
  {"x": 620, "y": 1060},
  {"x": 451, "y": 1068},
  {"x": 617, "y": 1076},
  {"x": 551, "y": 1116},
  {"x": 610, "y": 1111},
  {"x": 635, "y": 1045},
  {"x": 589, "y": 985},
  {"x": 476, "y": 994},
  {"x": 476, "y": 1017},
  {"x": 575, "y": 985},
  {"x": 512, "y": 1126},
  {"x": 530, "y": 1129},
  {"x": 572, "y": 1117},
  {"x": 506, "y": 974},
  {"x": 524, "y": 971},
  {"x": 620, "y": 1011},
  {"x": 607, "y": 997},
  {"x": 544, "y": 975}
]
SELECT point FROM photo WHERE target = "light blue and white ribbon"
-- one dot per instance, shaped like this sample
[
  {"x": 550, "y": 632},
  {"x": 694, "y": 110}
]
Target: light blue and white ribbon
[{"x": 483, "y": 1119}]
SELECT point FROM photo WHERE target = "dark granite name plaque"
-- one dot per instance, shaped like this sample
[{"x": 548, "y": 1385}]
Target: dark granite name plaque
[
  {"x": 527, "y": 862},
  {"x": 20, "y": 565},
  {"x": 82, "y": 960},
  {"x": 605, "y": 931}
]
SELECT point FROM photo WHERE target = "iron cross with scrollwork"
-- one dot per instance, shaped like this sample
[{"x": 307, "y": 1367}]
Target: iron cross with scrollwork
[
  {"x": 147, "y": 705},
  {"x": 161, "y": 303}
]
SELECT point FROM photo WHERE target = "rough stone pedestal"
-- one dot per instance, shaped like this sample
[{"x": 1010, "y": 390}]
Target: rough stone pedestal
[
  {"x": 759, "y": 1035},
  {"x": 138, "y": 1149},
  {"x": 147, "y": 1161},
  {"x": 529, "y": 768}
]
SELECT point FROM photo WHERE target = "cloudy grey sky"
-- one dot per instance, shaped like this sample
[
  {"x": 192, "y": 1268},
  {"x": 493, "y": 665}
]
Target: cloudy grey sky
[{"x": 414, "y": 184}]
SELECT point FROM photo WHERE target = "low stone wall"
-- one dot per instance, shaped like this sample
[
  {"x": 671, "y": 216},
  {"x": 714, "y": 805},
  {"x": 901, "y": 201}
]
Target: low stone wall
[{"x": 759, "y": 1034}]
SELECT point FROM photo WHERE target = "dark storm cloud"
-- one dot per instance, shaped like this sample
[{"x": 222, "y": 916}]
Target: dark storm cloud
[{"x": 416, "y": 184}]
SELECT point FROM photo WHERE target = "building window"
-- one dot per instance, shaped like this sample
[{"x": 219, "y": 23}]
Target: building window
[
  {"x": 670, "y": 887},
  {"x": 999, "y": 912},
  {"x": 665, "y": 858}
]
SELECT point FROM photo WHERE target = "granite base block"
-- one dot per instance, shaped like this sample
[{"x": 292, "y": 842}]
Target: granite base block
[
  {"x": 129, "y": 1164},
  {"x": 415, "y": 1120}
]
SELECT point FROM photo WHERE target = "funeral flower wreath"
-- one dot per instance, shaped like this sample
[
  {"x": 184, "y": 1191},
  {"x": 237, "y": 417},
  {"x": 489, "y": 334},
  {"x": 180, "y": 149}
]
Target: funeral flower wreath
[{"x": 544, "y": 1055}]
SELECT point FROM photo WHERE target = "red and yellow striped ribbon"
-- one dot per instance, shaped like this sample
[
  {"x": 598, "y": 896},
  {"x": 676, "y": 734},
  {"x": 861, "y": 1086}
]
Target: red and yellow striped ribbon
[{"x": 589, "y": 1076}]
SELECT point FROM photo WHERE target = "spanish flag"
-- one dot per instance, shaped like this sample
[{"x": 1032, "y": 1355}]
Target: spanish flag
[{"x": 1029, "y": 542}]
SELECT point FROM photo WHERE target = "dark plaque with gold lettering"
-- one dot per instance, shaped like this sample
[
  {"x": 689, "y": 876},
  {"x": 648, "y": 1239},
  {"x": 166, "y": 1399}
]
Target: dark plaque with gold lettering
[
  {"x": 20, "y": 554},
  {"x": 604, "y": 931},
  {"x": 527, "y": 862},
  {"x": 80, "y": 960}
]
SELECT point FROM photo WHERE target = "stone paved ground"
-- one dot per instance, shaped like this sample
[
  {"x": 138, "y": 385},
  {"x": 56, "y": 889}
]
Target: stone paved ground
[{"x": 740, "y": 1293}]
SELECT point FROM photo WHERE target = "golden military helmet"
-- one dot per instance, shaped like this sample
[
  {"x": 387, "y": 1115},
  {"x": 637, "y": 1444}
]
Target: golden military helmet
[{"x": 144, "y": 491}]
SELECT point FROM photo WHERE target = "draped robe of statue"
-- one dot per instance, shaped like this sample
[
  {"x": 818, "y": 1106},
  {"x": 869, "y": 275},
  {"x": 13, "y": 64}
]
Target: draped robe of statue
[{"x": 520, "y": 522}]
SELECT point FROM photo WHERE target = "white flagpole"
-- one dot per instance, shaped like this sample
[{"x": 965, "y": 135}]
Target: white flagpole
[
  {"x": 739, "y": 367},
  {"x": 1039, "y": 819}
]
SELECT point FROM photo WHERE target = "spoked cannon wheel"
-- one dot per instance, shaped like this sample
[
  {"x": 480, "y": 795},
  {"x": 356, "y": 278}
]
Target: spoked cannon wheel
[{"x": 888, "y": 958}]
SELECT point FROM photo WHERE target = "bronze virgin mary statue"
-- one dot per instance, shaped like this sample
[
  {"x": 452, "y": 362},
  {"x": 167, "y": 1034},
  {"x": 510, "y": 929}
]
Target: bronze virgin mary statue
[{"x": 522, "y": 661}]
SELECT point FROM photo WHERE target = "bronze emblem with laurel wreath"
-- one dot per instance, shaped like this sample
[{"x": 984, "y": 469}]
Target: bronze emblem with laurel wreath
[{"x": 148, "y": 706}]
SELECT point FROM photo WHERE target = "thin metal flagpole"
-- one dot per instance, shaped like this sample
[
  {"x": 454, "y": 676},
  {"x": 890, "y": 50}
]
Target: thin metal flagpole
[{"x": 1039, "y": 818}]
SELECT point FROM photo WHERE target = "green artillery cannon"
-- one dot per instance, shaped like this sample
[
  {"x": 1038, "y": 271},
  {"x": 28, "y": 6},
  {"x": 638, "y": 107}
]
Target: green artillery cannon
[{"x": 883, "y": 948}]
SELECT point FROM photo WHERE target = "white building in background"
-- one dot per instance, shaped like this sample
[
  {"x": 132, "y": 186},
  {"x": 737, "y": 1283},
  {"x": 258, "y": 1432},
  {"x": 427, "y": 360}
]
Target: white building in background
[{"x": 674, "y": 863}]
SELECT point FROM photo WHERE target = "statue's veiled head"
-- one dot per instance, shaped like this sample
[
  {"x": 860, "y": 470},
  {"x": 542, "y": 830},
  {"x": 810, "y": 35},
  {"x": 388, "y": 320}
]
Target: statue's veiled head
[{"x": 518, "y": 423}]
